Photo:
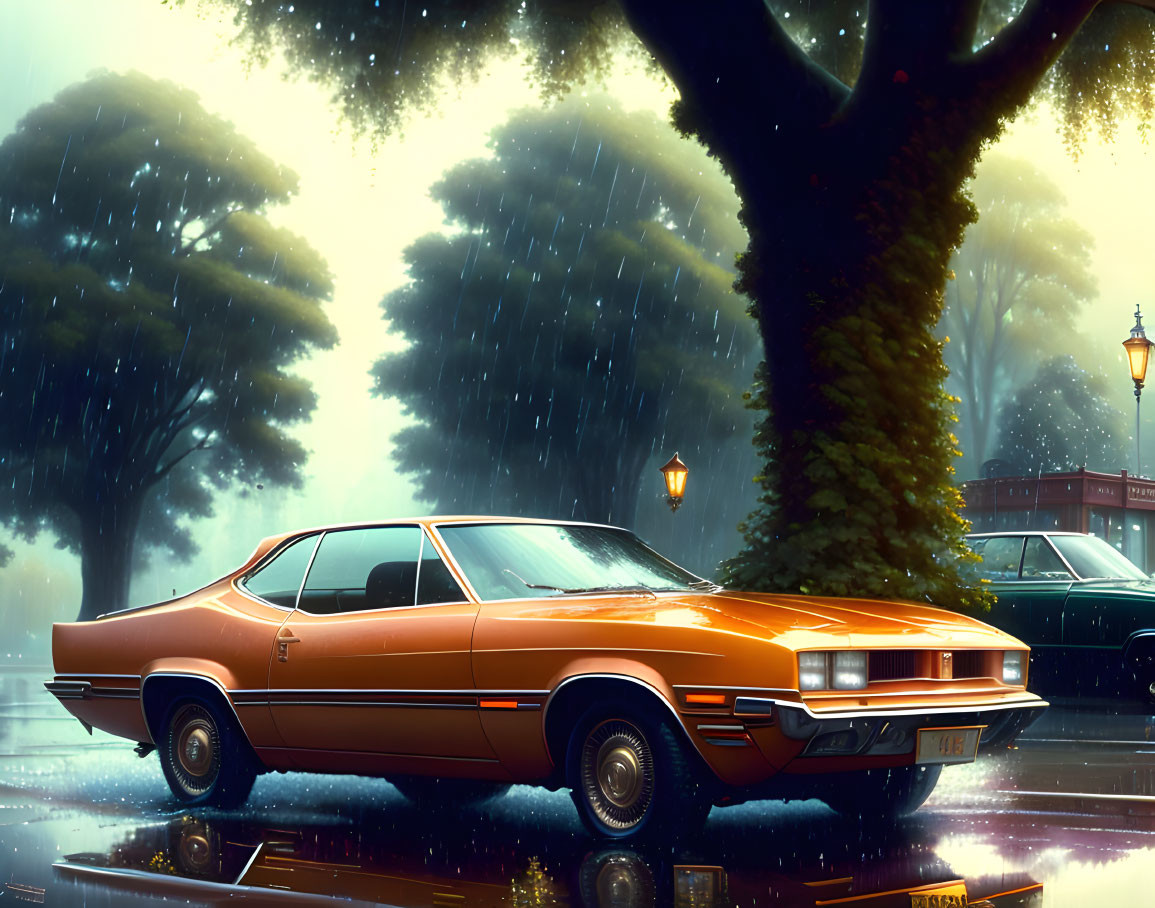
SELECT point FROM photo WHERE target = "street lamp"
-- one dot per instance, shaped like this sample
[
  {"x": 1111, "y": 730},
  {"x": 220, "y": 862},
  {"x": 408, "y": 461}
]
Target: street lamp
[
  {"x": 675, "y": 473},
  {"x": 1138, "y": 348}
]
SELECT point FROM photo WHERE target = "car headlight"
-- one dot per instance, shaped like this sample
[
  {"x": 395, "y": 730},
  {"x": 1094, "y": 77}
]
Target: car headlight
[
  {"x": 1014, "y": 667},
  {"x": 849, "y": 671},
  {"x": 839, "y": 670},
  {"x": 812, "y": 671}
]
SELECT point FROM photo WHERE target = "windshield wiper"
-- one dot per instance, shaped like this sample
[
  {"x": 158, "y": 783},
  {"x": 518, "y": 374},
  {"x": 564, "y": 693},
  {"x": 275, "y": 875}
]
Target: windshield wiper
[
  {"x": 613, "y": 589},
  {"x": 708, "y": 586},
  {"x": 535, "y": 586},
  {"x": 581, "y": 589}
]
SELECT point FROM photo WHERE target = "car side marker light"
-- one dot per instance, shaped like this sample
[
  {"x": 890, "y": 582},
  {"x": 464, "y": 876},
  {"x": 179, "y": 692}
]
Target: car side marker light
[
  {"x": 498, "y": 704},
  {"x": 706, "y": 699}
]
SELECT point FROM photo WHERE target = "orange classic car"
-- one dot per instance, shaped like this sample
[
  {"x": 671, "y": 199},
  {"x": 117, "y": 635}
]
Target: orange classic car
[{"x": 457, "y": 656}]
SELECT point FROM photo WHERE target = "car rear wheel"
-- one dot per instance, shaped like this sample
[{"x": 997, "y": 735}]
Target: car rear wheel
[
  {"x": 204, "y": 758},
  {"x": 630, "y": 775},
  {"x": 425, "y": 791},
  {"x": 877, "y": 793}
]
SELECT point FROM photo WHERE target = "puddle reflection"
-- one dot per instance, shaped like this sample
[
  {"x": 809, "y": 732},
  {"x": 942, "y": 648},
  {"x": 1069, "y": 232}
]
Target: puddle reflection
[{"x": 424, "y": 859}]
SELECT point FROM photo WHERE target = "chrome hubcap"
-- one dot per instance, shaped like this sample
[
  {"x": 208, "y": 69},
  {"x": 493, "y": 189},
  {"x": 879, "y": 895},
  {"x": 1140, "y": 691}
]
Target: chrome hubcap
[
  {"x": 196, "y": 753},
  {"x": 617, "y": 774},
  {"x": 194, "y": 749},
  {"x": 620, "y": 774}
]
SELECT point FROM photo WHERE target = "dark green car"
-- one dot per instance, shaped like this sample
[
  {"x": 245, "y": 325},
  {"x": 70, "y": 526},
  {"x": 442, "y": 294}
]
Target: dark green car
[{"x": 1087, "y": 613}]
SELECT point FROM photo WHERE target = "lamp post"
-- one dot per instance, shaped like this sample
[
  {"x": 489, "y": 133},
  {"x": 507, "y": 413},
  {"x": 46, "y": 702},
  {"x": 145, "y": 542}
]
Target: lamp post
[
  {"x": 1138, "y": 348},
  {"x": 675, "y": 473}
]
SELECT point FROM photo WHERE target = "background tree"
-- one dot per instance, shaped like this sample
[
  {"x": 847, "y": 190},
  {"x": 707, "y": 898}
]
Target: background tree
[
  {"x": 1061, "y": 420},
  {"x": 1021, "y": 276},
  {"x": 577, "y": 321},
  {"x": 849, "y": 139},
  {"x": 148, "y": 313}
]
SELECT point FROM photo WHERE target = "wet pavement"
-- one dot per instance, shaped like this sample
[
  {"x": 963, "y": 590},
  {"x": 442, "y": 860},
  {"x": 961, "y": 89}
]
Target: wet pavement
[{"x": 1068, "y": 818}]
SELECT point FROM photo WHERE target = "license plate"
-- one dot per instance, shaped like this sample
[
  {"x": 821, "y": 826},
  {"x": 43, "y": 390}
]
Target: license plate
[
  {"x": 946, "y": 895},
  {"x": 948, "y": 745}
]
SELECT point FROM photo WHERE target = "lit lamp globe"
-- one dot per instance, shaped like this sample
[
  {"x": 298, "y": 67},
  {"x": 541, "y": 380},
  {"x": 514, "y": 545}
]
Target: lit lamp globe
[
  {"x": 1138, "y": 348},
  {"x": 675, "y": 473}
]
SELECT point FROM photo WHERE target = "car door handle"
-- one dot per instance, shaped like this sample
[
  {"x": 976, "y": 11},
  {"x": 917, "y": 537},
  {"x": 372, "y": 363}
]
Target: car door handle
[{"x": 283, "y": 640}]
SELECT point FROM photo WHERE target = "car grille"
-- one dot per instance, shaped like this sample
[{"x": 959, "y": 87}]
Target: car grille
[
  {"x": 900, "y": 664},
  {"x": 891, "y": 665}
]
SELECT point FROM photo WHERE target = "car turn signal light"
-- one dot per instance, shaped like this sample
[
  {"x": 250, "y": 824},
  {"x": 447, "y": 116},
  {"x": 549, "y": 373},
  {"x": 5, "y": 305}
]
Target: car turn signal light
[{"x": 1014, "y": 667}]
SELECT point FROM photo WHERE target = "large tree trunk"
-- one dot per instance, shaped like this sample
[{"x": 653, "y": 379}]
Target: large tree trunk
[
  {"x": 853, "y": 200},
  {"x": 107, "y": 537}
]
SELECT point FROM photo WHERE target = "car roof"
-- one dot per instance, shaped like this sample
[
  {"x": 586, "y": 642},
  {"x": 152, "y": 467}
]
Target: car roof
[{"x": 1026, "y": 533}]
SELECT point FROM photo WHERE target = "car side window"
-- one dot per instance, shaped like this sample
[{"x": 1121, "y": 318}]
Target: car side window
[
  {"x": 363, "y": 569},
  {"x": 279, "y": 580},
  {"x": 1001, "y": 556},
  {"x": 436, "y": 583},
  {"x": 1040, "y": 562}
]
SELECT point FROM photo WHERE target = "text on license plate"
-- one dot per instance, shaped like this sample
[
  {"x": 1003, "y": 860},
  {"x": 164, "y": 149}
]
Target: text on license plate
[
  {"x": 949, "y": 895},
  {"x": 948, "y": 745}
]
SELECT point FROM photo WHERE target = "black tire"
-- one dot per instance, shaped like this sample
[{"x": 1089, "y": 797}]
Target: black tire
[
  {"x": 204, "y": 756},
  {"x": 427, "y": 791},
  {"x": 881, "y": 793},
  {"x": 629, "y": 775}
]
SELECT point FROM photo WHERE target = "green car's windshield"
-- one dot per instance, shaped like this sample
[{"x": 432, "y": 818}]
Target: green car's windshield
[
  {"x": 526, "y": 560},
  {"x": 1094, "y": 559}
]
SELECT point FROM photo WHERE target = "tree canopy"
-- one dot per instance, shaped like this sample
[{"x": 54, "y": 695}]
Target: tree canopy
[
  {"x": 148, "y": 315},
  {"x": 1020, "y": 278},
  {"x": 1062, "y": 420},
  {"x": 849, "y": 135},
  {"x": 577, "y": 321}
]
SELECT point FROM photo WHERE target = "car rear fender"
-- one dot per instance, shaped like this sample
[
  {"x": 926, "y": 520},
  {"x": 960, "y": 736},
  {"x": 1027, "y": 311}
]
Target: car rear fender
[
  {"x": 1139, "y": 654},
  {"x": 161, "y": 686}
]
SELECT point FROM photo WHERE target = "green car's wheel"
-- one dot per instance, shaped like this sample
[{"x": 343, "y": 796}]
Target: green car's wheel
[{"x": 204, "y": 757}]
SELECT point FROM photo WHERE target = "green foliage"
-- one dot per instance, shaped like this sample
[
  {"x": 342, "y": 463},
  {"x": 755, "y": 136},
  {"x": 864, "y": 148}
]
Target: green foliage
[
  {"x": 148, "y": 314},
  {"x": 575, "y": 323},
  {"x": 1062, "y": 420},
  {"x": 856, "y": 492},
  {"x": 1020, "y": 279}
]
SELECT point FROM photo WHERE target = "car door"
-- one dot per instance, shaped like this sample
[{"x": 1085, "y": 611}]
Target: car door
[
  {"x": 375, "y": 659},
  {"x": 1100, "y": 618}
]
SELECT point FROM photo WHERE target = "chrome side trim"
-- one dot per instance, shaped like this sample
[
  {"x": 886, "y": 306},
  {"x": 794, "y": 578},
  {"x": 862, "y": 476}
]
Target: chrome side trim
[
  {"x": 68, "y": 690},
  {"x": 389, "y": 704},
  {"x": 92, "y": 675},
  {"x": 471, "y": 692}
]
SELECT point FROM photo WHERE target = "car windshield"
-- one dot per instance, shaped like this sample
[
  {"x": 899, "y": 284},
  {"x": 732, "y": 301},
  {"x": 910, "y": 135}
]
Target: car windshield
[
  {"x": 522, "y": 561},
  {"x": 1092, "y": 558}
]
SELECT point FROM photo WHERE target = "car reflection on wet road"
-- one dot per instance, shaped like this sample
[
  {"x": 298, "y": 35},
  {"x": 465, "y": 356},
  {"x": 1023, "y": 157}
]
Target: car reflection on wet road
[{"x": 1066, "y": 819}]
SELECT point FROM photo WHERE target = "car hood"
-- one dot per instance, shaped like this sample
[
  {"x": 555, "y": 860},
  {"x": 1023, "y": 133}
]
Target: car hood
[
  {"x": 795, "y": 622},
  {"x": 804, "y": 621}
]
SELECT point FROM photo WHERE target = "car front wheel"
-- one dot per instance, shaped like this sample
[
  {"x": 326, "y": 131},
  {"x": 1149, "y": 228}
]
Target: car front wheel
[
  {"x": 204, "y": 759},
  {"x": 630, "y": 775}
]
